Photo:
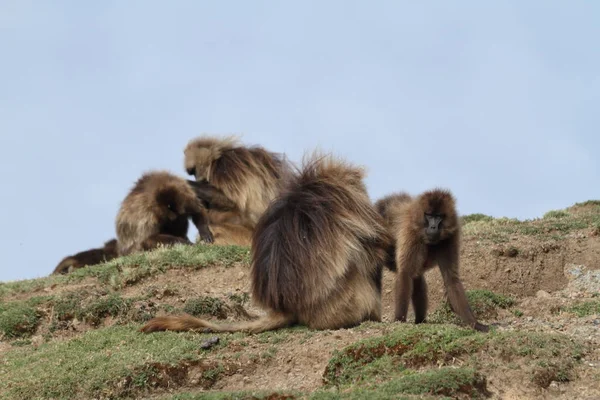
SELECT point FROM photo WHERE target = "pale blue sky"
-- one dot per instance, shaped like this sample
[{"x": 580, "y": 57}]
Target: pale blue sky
[{"x": 498, "y": 102}]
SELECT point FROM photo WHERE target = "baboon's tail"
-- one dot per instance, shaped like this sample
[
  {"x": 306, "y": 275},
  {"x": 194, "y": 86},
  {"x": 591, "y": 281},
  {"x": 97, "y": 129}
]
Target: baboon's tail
[{"x": 185, "y": 322}]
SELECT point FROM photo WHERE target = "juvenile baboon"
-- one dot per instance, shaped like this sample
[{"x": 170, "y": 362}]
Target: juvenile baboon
[
  {"x": 249, "y": 176},
  {"x": 317, "y": 256},
  {"x": 88, "y": 257},
  {"x": 427, "y": 234},
  {"x": 156, "y": 211}
]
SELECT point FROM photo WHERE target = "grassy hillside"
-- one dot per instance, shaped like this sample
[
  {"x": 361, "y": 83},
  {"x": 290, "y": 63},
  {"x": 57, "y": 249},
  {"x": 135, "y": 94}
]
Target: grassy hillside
[{"x": 537, "y": 281}]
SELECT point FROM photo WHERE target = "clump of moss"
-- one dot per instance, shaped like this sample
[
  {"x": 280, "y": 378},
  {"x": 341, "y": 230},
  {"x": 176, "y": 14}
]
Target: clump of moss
[
  {"x": 18, "y": 319},
  {"x": 484, "y": 304},
  {"x": 446, "y": 381},
  {"x": 114, "y": 362},
  {"x": 68, "y": 306},
  {"x": 476, "y": 218},
  {"x": 409, "y": 346},
  {"x": 112, "y": 305},
  {"x": 416, "y": 349},
  {"x": 556, "y": 214},
  {"x": 206, "y": 306},
  {"x": 545, "y": 373},
  {"x": 239, "y": 299}
]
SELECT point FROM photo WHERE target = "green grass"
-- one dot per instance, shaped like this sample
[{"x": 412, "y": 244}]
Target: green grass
[
  {"x": 93, "y": 308},
  {"x": 554, "y": 225},
  {"x": 108, "y": 362},
  {"x": 583, "y": 309},
  {"x": 476, "y": 218},
  {"x": 206, "y": 306},
  {"x": 411, "y": 349},
  {"x": 128, "y": 270},
  {"x": 19, "y": 319},
  {"x": 444, "y": 381},
  {"x": 588, "y": 203},
  {"x": 484, "y": 304},
  {"x": 428, "y": 385},
  {"x": 244, "y": 395},
  {"x": 556, "y": 214},
  {"x": 500, "y": 230},
  {"x": 112, "y": 305}
]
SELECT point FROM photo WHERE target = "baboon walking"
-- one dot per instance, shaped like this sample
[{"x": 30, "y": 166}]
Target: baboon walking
[
  {"x": 427, "y": 234},
  {"x": 317, "y": 255}
]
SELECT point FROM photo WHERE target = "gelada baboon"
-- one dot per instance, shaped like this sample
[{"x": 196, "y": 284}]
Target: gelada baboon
[
  {"x": 87, "y": 258},
  {"x": 225, "y": 222},
  {"x": 156, "y": 211},
  {"x": 228, "y": 228},
  {"x": 249, "y": 176},
  {"x": 317, "y": 256},
  {"x": 427, "y": 233}
]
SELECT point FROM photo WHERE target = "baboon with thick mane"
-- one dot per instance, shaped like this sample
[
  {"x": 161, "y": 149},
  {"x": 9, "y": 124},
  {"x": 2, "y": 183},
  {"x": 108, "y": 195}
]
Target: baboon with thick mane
[
  {"x": 156, "y": 211},
  {"x": 250, "y": 177},
  {"x": 317, "y": 255},
  {"x": 427, "y": 233},
  {"x": 87, "y": 258}
]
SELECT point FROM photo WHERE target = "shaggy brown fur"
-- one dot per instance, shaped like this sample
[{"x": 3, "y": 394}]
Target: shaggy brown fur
[
  {"x": 427, "y": 233},
  {"x": 228, "y": 228},
  {"x": 317, "y": 256},
  {"x": 224, "y": 219},
  {"x": 156, "y": 211},
  {"x": 249, "y": 176},
  {"x": 87, "y": 258}
]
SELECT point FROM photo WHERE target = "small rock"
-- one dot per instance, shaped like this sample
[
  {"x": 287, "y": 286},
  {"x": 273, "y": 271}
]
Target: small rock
[
  {"x": 512, "y": 252},
  {"x": 542, "y": 294},
  {"x": 210, "y": 342},
  {"x": 529, "y": 319}
]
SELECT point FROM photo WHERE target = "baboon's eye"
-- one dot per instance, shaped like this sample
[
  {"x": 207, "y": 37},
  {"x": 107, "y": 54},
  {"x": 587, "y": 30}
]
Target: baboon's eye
[
  {"x": 191, "y": 171},
  {"x": 170, "y": 206}
]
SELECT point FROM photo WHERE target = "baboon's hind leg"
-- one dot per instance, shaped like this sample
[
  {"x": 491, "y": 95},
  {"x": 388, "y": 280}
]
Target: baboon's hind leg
[{"x": 419, "y": 299}]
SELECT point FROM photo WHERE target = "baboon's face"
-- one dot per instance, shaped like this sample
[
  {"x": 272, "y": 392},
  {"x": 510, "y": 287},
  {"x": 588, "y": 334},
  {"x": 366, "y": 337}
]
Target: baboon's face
[
  {"x": 171, "y": 205},
  {"x": 197, "y": 162},
  {"x": 433, "y": 226},
  {"x": 171, "y": 211},
  {"x": 438, "y": 216}
]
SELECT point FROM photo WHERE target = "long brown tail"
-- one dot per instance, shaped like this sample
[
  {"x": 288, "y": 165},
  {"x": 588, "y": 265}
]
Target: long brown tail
[{"x": 185, "y": 322}]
